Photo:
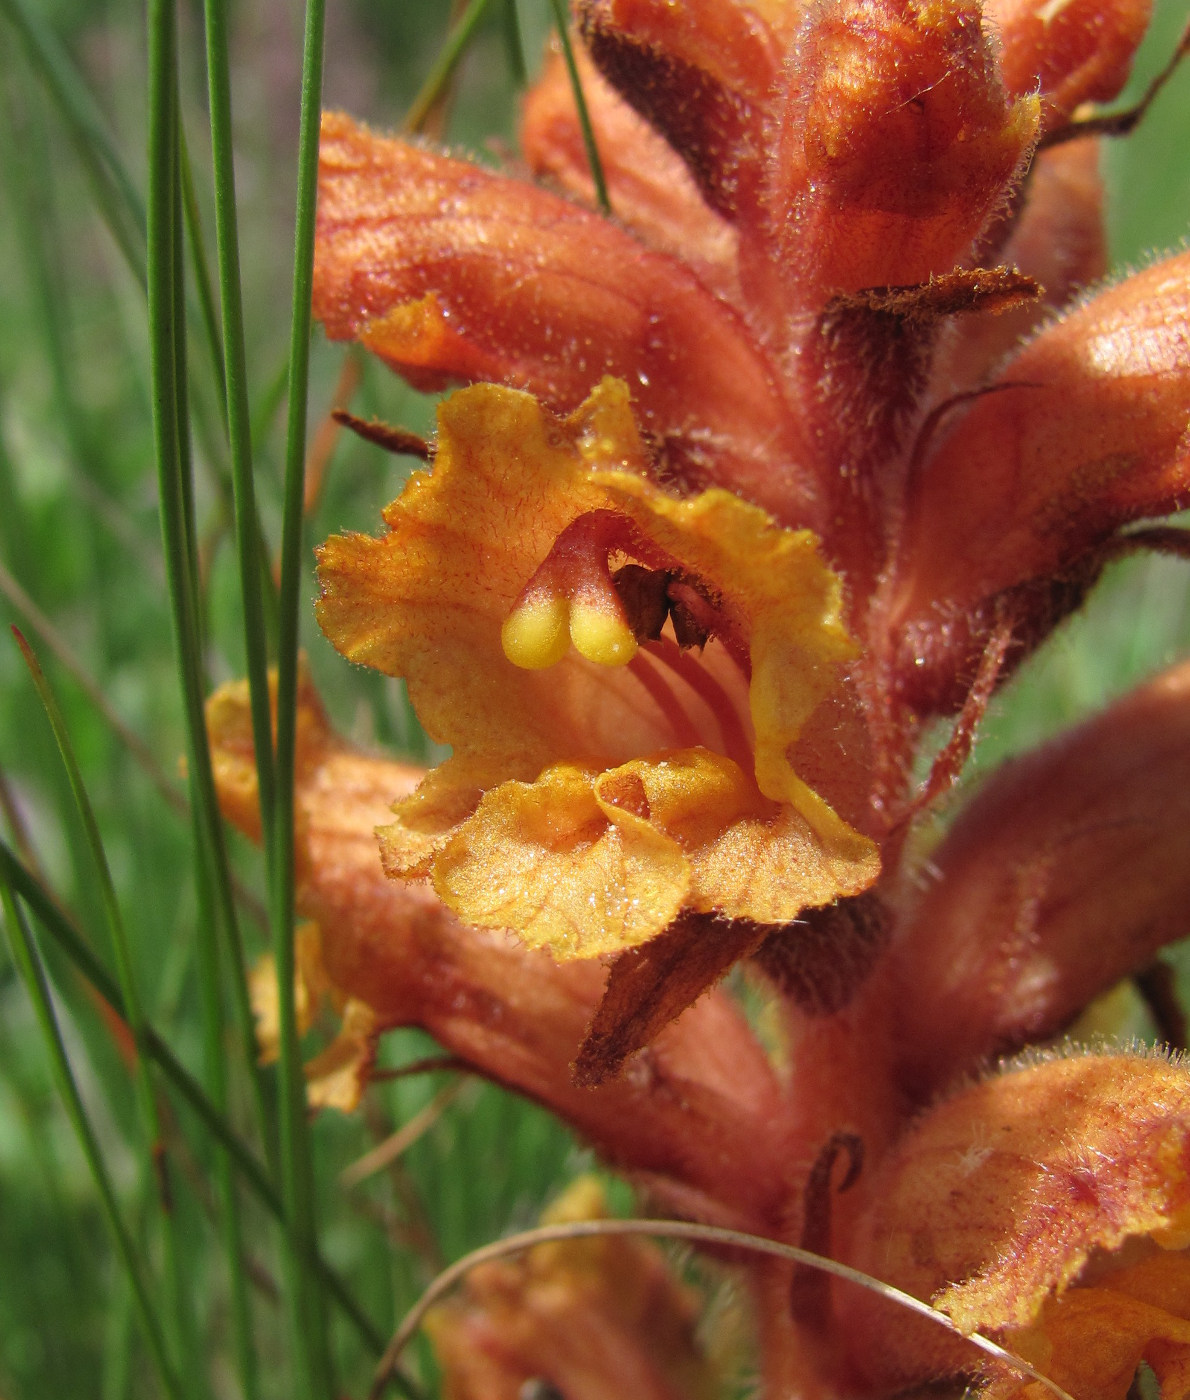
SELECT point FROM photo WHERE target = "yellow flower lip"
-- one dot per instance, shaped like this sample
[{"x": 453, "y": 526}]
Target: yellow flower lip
[{"x": 622, "y": 675}]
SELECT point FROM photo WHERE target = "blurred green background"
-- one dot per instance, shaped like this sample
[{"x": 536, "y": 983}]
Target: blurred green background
[{"x": 80, "y": 550}]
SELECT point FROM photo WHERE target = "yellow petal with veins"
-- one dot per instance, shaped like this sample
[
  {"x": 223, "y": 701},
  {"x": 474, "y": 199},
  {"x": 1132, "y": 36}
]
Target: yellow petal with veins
[
  {"x": 589, "y": 863},
  {"x": 567, "y": 871}
]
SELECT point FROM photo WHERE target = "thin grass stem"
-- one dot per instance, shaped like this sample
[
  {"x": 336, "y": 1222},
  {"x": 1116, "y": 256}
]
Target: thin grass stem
[
  {"x": 117, "y": 1347},
  {"x": 13, "y": 542},
  {"x": 562, "y": 23},
  {"x": 247, "y": 524},
  {"x": 167, "y": 374},
  {"x": 33, "y": 976},
  {"x": 307, "y": 1308},
  {"x": 398, "y": 1143},
  {"x": 155, "y": 1151},
  {"x": 183, "y": 470},
  {"x": 200, "y": 268},
  {"x": 268, "y": 404},
  {"x": 120, "y": 206},
  {"x": 215, "y": 1073},
  {"x": 67, "y": 657},
  {"x": 445, "y": 64},
  {"x": 29, "y": 205},
  {"x": 514, "y": 45}
]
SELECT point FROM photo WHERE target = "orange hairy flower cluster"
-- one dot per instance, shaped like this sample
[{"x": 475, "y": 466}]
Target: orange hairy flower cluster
[{"x": 812, "y": 442}]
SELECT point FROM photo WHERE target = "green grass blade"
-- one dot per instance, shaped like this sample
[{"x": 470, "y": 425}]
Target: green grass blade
[
  {"x": 156, "y": 1159},
  {"x": 183, "y": 464},
  {"x": 248, "y": 539},
  {"x": 32, "y": 218},
  {"x": 514, "y": 45},
  {"x": 33, "y": 976},
  {"x": 561, "y": 21},
  {"x": 312, "y": 1346},
  {"x": 167, "y": 375},
  {"x": 200, "y": 268},
  {"x": 13, "y": 542},
  {"x": 444, "y": 65},
  {"x": 53, "y": 640},
  {"x": 117, "y": 1349},
  {"x": 245, "y": 1161},
  {"x": 215, "y": 1071},
  {"x": 119, "y": 203}
]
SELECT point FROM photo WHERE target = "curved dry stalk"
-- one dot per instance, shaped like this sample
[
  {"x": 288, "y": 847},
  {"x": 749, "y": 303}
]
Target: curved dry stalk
[
  {"x": 398, "y": 1143},
  {"x": 698, "y": 1234}
]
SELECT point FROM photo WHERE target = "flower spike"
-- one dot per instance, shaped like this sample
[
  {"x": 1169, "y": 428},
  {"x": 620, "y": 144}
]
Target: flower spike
[{"x": 811, "y": 443}]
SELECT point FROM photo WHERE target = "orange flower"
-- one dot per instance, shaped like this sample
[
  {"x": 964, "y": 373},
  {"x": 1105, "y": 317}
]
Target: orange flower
[
  {"x": 597, "y": 1319},
  {"x": 543, "y": 599},
  {"x": 1050, "y": 1205},
  {"x": 1046, "y": 1205}
]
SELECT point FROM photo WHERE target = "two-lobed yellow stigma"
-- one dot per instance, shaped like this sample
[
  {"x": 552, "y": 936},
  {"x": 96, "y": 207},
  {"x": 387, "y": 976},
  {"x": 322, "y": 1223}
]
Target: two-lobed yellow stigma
[{"x": 541, "y": 628}]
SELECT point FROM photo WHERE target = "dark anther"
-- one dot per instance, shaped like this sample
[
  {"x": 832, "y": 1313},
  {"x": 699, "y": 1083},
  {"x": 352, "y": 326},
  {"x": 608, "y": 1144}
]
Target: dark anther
[
  {"x": 651, "y": 596},
  {"x": 688, "y": 631},
  {"x": 643, "y": 594}
]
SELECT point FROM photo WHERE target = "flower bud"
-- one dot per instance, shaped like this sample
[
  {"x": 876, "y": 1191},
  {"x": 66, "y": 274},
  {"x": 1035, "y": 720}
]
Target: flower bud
[{"x": 897, "y": 141}]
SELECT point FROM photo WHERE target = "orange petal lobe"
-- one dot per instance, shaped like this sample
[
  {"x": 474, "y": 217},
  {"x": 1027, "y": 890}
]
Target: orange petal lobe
[
  {"x": 450, "y": 272},
  {"x": 592, "y": 863},
  {"x": 567, "y": 871},
  {"x": 1091, "y": 1340}
]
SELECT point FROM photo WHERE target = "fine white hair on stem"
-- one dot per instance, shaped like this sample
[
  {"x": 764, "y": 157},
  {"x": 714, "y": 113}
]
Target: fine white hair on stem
[{"x": 699, "y": 1234}]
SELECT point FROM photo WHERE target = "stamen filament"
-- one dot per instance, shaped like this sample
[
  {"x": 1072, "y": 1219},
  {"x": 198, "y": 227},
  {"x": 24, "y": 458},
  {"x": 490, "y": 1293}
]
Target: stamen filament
[
  {"x": 645, "y": 668},
  {"x": 713, "y": 695}
]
